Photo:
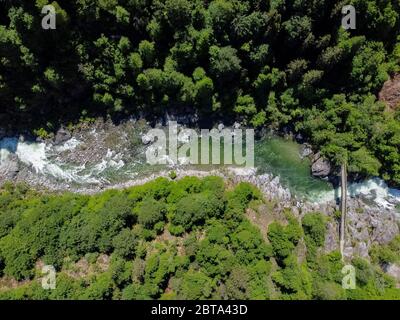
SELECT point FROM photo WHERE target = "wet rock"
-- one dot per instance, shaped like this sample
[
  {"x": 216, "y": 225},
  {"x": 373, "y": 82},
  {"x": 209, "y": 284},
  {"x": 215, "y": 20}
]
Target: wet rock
[
  {"x": 331, "y": 238},
  {"x": 9, "y": 168},
  {"x": 348, "y": 252},
  {"x": 299, "y": 138},
  {"x": 236, "y": 125},
  {"x": 305, "y": 151},
  {"x": 320, "y": 167},
  {"x": 361, "y": 250},
  {"x": 62, "y": 136}
]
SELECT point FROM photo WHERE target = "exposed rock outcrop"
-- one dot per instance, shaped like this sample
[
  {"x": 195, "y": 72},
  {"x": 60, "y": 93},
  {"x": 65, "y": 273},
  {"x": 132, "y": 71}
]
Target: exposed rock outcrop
[
  {"x": 368, "y": 225},
  {"x": 305, "y": 151},
  {"x": 321, "y": 167},
  {"x": 332, "y": 237},
  {"x": 62, "y": 135},
  {"x": 9, "y": 168},
  {"x": 390, "y": 93},
  {"x": 393, "y": 270}
]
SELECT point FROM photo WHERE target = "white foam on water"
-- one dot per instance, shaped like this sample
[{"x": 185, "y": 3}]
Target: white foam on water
[
  {"x": 33, "y": 154},
  {"x": 68, "y": 145},
  {"x": 36, "y": 155},
  {"x": 39, "y": 157},
  {"x": 7, "y": 146},
  {"x": 111, "y": 160},
  {"x": 322, "y": 196},
  {"x": 374, "y": 189}
]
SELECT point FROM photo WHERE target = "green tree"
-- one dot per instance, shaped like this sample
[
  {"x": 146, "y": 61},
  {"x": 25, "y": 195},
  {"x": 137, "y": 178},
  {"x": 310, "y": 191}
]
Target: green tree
[{"x": 150, "y": 212}]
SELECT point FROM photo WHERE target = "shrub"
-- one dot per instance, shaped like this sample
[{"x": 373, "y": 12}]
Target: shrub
[
  {"x": 314, "y": 226},
  {"x": 150, "y": 212},
  {"x": 124, "y": 244},
  {"x": 195, "y": 208}
]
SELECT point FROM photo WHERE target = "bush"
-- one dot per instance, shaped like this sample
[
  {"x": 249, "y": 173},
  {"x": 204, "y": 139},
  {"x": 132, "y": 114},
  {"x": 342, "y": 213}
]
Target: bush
[
  {"x": 284, "y": 238},
  {"x": 294, "y": 280},
  {"x": 150, "y": 212},
  {"x": 195, "y": 208},
  {"x": 195, "y": 285},
  {"x": 314, "y": 226},
  {"x": 325, "y": 290},
  {"x": 246, "y": 192},
  {"x": 124, "y": 244},
  {"x": 280, "y": 242}
]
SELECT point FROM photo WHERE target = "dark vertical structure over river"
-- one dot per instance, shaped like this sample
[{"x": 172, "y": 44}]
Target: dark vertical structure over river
[{"x": 343, "y": 205}]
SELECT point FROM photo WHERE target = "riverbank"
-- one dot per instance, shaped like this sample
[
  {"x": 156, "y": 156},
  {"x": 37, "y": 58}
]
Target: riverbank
[{"x": 104, "y": 156}]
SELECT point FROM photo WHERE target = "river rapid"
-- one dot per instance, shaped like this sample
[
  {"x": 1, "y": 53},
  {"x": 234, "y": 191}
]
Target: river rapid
[{"x": 108, "y": 156}]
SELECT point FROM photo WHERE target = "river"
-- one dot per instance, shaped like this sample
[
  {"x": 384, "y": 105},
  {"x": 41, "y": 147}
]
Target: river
[{"x": 274, "y": 155}]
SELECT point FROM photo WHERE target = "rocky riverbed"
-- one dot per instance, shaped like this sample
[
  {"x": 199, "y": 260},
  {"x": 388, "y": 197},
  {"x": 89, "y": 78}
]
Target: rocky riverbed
[{"x": 101, "y": 155}]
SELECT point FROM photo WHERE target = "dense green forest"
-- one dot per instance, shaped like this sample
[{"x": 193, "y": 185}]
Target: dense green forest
[
  {"x": 185, "y": 239},
  {"x": 268, "y": 63}
]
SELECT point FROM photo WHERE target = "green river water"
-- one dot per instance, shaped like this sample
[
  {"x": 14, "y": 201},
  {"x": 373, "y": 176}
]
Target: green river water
[{"x": 281, "y": 157}]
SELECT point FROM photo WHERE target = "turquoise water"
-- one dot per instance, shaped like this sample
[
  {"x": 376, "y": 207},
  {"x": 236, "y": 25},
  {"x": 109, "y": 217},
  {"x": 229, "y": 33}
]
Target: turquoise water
[
  {"x": 273, "y": 155},
  {"x": 281, "y": 157}
]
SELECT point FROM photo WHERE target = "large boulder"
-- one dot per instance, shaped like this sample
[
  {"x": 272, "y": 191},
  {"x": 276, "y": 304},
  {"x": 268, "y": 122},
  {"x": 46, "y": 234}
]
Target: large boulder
[
  {"x": 62, "y": 136},
  {"x": 361, "y": 250},
  {"x": 331, "y": 238},
  {"x": 321, "y": 167},
  {"x": 9, "y": 168},
  {"x": 305, "y": 151}
]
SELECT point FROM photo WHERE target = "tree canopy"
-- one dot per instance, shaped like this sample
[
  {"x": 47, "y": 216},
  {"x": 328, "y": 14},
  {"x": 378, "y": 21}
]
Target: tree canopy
[
  {"x": 133, "y": 244},
  {"x": 266, "y": 63}
]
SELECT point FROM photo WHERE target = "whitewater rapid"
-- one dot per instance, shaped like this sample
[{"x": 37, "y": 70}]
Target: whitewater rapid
[
  {"x": 374, "y": 189},
  {"x": 44, "y": 159}
]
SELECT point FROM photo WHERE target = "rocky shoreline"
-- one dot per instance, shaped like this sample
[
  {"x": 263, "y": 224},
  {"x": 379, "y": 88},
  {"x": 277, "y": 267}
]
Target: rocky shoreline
[{"x": 367, "y": 223}]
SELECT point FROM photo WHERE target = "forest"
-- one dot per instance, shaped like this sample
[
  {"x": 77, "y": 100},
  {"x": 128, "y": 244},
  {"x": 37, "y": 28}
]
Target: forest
[
  {"x": 175, "y": 239},
  {"x": 285, "y": 65}
]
